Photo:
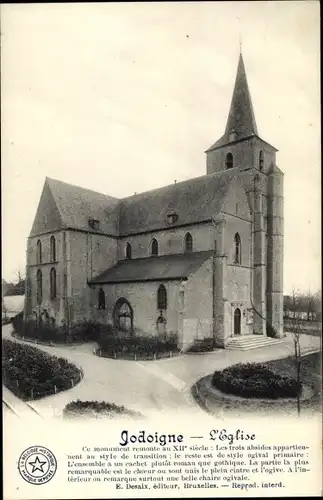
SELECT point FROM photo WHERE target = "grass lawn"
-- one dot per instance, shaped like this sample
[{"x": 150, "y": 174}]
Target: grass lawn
[
  {"x": 226, "y": 406},
  {"x": 306, "y": 327},
  {"x": 32, "y": 374}
]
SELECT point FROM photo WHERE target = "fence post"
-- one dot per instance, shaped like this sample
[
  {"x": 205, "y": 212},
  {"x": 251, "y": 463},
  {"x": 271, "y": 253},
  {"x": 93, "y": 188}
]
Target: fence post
[
  {"x": 115, "y": 355},
  {"x": 55, "y": 389},
  {"x": 170, "y": 354},
  {"x": 154, "y": 356},
  {"x": 32, "y": 393},
  {"x": 72, "y": 382},
  {"x": 17, "y": 381}
]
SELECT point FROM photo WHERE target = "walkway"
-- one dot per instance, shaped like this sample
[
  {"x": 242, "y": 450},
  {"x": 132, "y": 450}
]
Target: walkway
[{"x": 161, "y": 386}]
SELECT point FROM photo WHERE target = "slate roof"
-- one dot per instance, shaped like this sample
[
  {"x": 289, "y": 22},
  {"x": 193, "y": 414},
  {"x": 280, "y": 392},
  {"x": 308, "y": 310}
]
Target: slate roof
[
  {"x": 161, "y": 268},
  {"x": 241, "y": 117},
  {"x": 194, "y": 200},
  {"x": 76, "y": 205}
]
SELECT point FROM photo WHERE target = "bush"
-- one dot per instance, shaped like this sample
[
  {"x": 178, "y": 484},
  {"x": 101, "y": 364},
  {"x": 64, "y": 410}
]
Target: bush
[
  {"x": 32, "y": 374},
  {"x": 141, "y": 346},
  {"x": 204, "y": 345},
  {"x": 82, "y": 408},
  {"x": 255, "y": 380},
  {"x": 85, "y": 331}
]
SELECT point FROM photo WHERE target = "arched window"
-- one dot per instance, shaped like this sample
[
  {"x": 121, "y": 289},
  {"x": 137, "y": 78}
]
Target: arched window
[
  {"x": 128, "y": 251},
  {"x": 154, "y": 247},
  {"x": 101, "y": 299},
  {"x": 161, "y": 298},
  {"x": 52, "y": 249},
  {"x": 229, "y": 160},
  {"x": 237, "y": 249},
  {"x": 261, "y": 160},
  {"x": 39, "y": 286},
  {"x": 53, "y": 283},
  {"x": 39, "y": 253},
  {"x": 188, "y": 242}
]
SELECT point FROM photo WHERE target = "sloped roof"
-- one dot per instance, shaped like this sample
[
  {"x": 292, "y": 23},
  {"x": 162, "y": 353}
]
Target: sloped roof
[
  {"x": 162, "y": 268},
  {"x": 241, "y": 117},
  {"x": 76, "y": 205},
  {"x": 194, "y": 200}
]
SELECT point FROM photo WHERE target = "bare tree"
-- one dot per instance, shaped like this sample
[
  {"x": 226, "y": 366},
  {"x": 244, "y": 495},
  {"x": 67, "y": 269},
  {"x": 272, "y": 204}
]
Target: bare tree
[
  {"x": 296, "y": 300},
  {"x": 20, "y": 276}
]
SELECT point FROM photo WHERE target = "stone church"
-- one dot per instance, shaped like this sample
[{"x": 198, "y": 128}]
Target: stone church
[{"x": 202, "y": 258}]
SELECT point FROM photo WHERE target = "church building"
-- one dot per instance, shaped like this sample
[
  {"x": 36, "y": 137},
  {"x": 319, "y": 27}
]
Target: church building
[{"x": 202, "y": 258}]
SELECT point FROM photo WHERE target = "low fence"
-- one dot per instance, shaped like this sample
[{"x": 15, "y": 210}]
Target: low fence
[
  {"x": 135, "y": 356},
  {"x": 32, "y": 394}
]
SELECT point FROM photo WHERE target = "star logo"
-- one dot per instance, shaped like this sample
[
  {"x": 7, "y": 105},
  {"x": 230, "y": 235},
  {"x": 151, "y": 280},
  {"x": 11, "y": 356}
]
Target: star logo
[{"x": 37, "y": 464}]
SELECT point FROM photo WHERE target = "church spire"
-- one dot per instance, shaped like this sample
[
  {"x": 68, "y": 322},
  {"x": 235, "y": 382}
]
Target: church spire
[{"x": 241, "y": 120}]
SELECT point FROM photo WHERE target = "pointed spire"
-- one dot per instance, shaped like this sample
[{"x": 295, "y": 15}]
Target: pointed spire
[{"x": 241, "y": 119}]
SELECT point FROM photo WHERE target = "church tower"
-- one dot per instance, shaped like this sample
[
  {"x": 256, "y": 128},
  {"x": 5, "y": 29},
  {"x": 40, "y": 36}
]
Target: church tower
[{"x": 254, "y": 160}]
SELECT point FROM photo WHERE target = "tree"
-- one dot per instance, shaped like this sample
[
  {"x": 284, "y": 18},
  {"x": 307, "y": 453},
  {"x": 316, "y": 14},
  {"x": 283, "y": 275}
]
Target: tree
[
  {"x": 296, "y": 305},
  {"x": 20, "y": 277}
]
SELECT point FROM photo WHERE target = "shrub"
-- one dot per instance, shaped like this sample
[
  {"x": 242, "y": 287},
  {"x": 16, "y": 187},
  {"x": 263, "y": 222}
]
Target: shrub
[
  {"x": 85, "y": 331},
  {"x": 31, "y": 374},
  {"x": 255, "y": 380},
  {"x": 203, "y": 345},
  {"x": 141, "y": 346},
  {"x": 79, "y": 408}
]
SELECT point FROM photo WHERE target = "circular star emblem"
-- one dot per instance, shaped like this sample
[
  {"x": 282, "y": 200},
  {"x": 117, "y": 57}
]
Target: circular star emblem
[{"x": 37, "y": 465}]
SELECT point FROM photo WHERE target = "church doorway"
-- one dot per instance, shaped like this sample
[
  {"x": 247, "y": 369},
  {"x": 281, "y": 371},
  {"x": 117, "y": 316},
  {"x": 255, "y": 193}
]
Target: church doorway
[
  {"x": 237, "y": 322},
  {"x": 123, "y": 316}
]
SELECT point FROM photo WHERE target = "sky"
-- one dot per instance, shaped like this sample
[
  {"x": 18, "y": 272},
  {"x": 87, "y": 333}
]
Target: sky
[{"x": 126, "y": 97}]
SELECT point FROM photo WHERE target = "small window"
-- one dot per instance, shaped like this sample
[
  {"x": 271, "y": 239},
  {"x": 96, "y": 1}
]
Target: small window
[
  {"x": 52, "y": 249},
  {"x": 161, "y": 298},
  {"x": 101, "y": 299},
  {"x": 154, "y": 247},
  {"x": 261, "y": 160},
  {"x": 53, "y": 290},
  {"x": 39, "y": 286},
  {"x": 229, "y": 160},
  {"x": 172, "y": 218},
  {"x": 188, "y": 242},
  {"x": 39, "y": 253},
  {"x": 94, "y": 223},
  {"x": 128, "y": 251},
  {"x": 237, "y": 249}
]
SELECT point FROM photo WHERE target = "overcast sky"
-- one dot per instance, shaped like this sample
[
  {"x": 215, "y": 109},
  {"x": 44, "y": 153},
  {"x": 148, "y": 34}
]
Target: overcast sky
[{"x": 122, "y": 98}]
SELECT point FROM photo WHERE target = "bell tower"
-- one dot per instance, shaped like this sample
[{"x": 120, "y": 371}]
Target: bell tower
[{"x": 254, "y": 161}]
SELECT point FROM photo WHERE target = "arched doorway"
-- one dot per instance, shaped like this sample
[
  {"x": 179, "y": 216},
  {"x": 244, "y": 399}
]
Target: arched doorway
[
  {"x": 237, "y": 322},
  {"x": 123, "y": 316}
]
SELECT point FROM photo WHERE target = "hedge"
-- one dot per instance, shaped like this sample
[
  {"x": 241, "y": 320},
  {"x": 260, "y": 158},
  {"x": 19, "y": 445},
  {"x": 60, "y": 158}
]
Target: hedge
[
  {"x": 143, "y": 347},
  {"x": 255, "y": 380},
  {"x": 83, "y": 408},
  {"x": 32, "y": 374},
  {"x": 85, "y": 331}
]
